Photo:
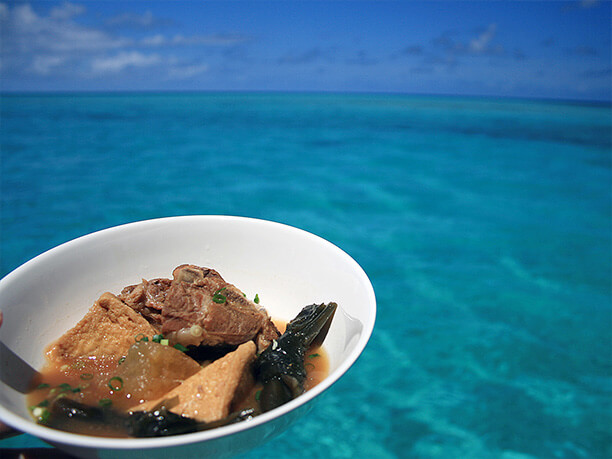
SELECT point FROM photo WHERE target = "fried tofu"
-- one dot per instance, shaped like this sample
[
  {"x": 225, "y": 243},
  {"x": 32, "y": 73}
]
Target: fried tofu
[
  {"x": 207, "y": 395},
  {"x": 107, "y": 330}
]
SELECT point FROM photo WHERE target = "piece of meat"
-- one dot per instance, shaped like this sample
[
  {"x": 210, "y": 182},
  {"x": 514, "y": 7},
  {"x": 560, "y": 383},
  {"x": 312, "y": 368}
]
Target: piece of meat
[
  {"x": 266, "y": 335},
  {"x": 198, "y": 307},
  {"x": 208, "y": 395},
  {"x": 107, "y": 330},
  {"x": 202, "y": 308},
  {"x": 147, "y": 298}
]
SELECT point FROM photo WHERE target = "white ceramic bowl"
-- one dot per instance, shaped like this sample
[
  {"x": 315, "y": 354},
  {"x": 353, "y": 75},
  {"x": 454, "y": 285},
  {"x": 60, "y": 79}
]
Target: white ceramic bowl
[{"x": 287, "y": 267}]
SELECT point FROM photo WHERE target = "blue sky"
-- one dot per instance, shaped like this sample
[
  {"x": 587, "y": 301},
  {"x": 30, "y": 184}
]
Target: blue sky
[{"x": 536, "y": 49}]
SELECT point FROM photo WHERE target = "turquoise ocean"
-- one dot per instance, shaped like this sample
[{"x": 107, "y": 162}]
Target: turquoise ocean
[{"x": 485, "y": 226}]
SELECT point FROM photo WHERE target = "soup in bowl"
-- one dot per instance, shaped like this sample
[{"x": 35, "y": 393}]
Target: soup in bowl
[{"x": 283, "y": 268}]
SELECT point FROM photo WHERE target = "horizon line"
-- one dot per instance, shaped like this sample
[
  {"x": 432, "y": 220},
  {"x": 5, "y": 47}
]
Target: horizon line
[{"x": 79, "y": 92}]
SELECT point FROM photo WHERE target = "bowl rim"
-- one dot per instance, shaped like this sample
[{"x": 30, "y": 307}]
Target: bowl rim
[{"x": 92, "y": 442}]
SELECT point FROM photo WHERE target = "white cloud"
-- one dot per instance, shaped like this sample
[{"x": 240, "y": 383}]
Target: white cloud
[
  {"x": 186, "y": 71},
  {"x": 131, "y": 19},
  {"x": 23, "y": 16},
  {"x": 455, "y": 44},
  {"x": 122, "y": 61},
  {"x": 155, "y": 40},
  {"x": 194, "y": 40},
  {"x": 45, "y": 44},
  {"x": 481, "y": 43},
  {"x": 220, "y": 39},
  {"x": 43, "y": 65},
  {"x": 27, "y": 32},
  {"x": 66, "y": 11},
  {"x": 51, "y": 42}
]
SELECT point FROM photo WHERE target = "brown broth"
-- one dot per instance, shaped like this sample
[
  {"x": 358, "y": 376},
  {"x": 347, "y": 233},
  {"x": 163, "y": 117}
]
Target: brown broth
[
  {"x": 85, "y": 381},
  {"x": 89, "y": 381}
]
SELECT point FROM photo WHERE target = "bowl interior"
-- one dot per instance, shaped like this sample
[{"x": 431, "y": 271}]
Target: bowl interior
[{"x": 288, "y": 268}]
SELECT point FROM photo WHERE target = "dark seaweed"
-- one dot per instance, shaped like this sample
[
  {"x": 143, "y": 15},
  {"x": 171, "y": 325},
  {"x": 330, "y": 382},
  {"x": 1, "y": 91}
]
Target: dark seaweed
[
  {"x": 280, "y": 367},
  {"x": 201, "y": 353},
  {"x": 159, "y": 423},
  {"x": 141, "y": 424}
]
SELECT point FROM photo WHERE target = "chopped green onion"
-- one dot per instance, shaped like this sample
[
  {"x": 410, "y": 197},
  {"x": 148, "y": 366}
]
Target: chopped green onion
[
  {"x": 218, "y": 297},
  {"x": 41, "y": 414},
  {"x": 115, "y": 387},
  {"x": 180, "y": 347},
  {"x": 164, "y": 342},
  {"x": 256, "y": 299},
  {"x": 45, "y": 402},
  {"x": 64, "y": 387},
  {"x": 42, "y": 386},
  {"x": 86, "y": 376},
  {"x": 258, "y": 395},
  {"x": 312, "y": 356},
  {"x": 105, "y": 402},
  {"x": 157, "y": 338},
  {"x": 141, "y": 337},
  {"x": 76, "y": 389},
  {"x": 121, "y": 360}
]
